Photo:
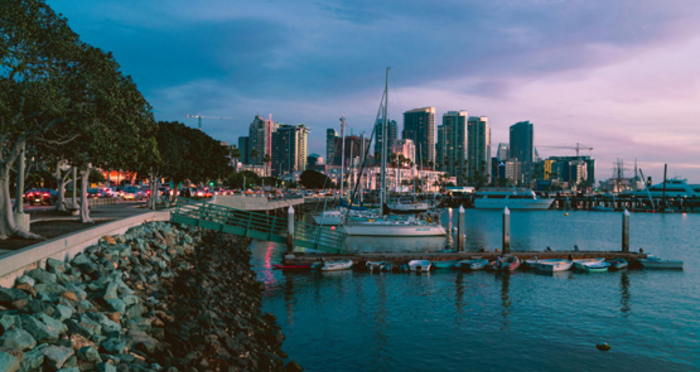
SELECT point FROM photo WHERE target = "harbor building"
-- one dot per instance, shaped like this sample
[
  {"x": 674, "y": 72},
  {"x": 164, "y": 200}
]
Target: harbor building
[
  {"x": 260, "y": 136},
  {"x": 289, "y": 149},
  {"x": 478, "y": 150},
  {"x": 522, "y": 148},
  {"x": 573, "y": 170},
  {"x": 405, "y": 148},
  {"x": 391, "y": 134},
  {"x": 451, "y": 149},
  {"x": 419, "y": 126}
]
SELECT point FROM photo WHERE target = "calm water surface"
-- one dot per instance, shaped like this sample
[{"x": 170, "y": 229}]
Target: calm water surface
[{"x": 454, "y": 321}]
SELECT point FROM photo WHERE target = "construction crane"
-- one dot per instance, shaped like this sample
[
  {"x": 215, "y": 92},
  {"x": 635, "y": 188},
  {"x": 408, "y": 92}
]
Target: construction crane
[
  {"x": 200, "y": 117},
  {"x": 578, "y": 148}
]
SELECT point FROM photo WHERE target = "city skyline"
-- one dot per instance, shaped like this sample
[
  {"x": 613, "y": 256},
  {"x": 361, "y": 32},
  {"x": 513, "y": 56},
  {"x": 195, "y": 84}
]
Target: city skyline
[{"x": 620, "y": 78}]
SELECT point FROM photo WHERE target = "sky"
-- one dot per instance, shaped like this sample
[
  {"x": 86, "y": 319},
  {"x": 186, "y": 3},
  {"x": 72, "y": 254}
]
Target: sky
[{"x": 622, "y": 77}]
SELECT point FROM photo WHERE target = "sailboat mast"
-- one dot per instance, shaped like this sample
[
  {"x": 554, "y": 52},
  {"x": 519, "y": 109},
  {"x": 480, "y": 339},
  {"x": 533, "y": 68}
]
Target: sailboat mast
[
  {"x": 384, "y": 144},
  {"x": 342, "y": 154}
]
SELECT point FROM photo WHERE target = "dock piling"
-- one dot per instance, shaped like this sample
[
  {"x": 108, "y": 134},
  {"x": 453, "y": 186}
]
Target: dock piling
[
  {"x": 290, "y": 230},
  {"x": 626, "y": 231},
  {"x": 506, "y": 231},
  {"x": 460, "y": 230}
]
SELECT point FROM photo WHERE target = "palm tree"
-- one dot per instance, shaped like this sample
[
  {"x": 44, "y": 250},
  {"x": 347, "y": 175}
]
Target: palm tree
[
  {"x": 267, "y": 160},
  {"x": 235, "y": 155},
  {"x": 253, "y": 156}
]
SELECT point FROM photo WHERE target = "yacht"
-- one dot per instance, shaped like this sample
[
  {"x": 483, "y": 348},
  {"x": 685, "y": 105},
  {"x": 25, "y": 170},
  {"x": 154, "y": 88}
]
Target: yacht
[
  {"x": 388, "y": 226},
  {"x": 499, "y": 198},
  {"x": 675, "y": 188}
]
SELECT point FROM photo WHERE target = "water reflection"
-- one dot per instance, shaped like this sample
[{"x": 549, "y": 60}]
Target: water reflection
[
  {"x": 404, "y": 244},
  {"x": 625, "y": 294},
  {"x": 505, "y": 300},
  {"x": 459, "y": 295}
]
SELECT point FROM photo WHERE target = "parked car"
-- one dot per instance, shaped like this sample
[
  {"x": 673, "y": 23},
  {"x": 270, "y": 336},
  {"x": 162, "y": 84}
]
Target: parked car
[
  {"x": 96, "y": 193},
  {"x": 132, "y": 193},
  {"x": 41, "y": 196}
]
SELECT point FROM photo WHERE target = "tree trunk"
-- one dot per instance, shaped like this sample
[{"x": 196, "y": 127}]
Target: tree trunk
[
  {"x": 84, "y": 208},
  {"x": 8, "y": 226},
  {"x": 61, "y": 183}
]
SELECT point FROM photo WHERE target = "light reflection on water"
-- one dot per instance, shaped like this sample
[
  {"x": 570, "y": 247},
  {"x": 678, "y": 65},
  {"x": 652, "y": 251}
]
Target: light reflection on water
[{"x": 453, "y": 321}]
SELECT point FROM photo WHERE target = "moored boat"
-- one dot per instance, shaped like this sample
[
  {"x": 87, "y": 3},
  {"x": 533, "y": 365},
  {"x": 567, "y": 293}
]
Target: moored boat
[
  {"x": 533, "y": 264},
  {"x": 376, "y": 265},
  {"x": 595, "y": 266},
  {"x": 555, "y": 266},
  {"x": 445, "y": 264},
  {"x": 509, "y": 263},
  {"x": 578, "y": 263},
  {"x": 513, "y": 198},
  {"x": 618, "y": 264},
  {"x": 336, "y": 265},
  {"x": 652, "y": 262},
  {"x": 477, "y": 264},
  {"x": 291, "y": 267},
  {"x": 419, "y": 265}
]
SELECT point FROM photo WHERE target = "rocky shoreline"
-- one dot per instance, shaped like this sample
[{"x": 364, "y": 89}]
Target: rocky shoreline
[{"x": 158, "y": 298}]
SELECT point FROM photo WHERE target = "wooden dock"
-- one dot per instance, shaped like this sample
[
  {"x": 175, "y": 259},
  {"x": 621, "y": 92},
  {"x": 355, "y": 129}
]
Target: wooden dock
[{"x": 360, "y": 259}]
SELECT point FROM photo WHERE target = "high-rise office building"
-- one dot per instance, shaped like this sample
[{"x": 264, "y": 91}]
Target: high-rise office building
[
  {"x": 522, "y": 148},
  {"x": 244, "y": 148},
  {"x": 331, "y": 136},
  {"x": 419, "y": 126},
  {"x": 391, "y": 133},
  {"x": 451, "y": 149},
  {"x": 479, "y": 150},
  {"x": 260, "y": 136},
  {"x": 289, "y": 149},
  {"x": 353, "y": 149},
  {"x": 503, "y": 152}
]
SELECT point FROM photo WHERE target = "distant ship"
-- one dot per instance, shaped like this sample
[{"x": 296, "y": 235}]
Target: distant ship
[
  {"x": 675, "y": 188},
  {"x": 499, "y": 198}
]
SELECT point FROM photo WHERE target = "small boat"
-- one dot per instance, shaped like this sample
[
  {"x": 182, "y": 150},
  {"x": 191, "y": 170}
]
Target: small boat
[
  {"x": 618, "y": 264},
  {"x": 291, "y": 267},
  {"x": 445, "y": 264},
  {"x": 376, "y": 265},
  {"x": 329, "y": 218},
  {"x": 652, "y": 262},
  {"x": 578, "y": 264},
  {"x": 492, "y": 266},
  {"x": 478, "y": 264},
  {"x": 510, "y": 263},
  {"x": 534, "y": 263},
  {"x": 419, "y": 265},
  {"x": 595, "y": 266},
  {"x": 387, "y": 266},
  {"x": 555, "y": 266},
  {"x": 336, "y": 265}
]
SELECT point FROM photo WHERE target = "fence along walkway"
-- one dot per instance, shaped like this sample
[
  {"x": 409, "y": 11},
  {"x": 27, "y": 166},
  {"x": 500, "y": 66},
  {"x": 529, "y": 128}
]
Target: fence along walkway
[{"x": 255, "y": 225}]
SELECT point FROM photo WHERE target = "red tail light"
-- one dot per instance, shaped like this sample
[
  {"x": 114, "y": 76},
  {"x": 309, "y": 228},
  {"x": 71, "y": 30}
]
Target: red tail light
[{"x": 46, "y": 194}]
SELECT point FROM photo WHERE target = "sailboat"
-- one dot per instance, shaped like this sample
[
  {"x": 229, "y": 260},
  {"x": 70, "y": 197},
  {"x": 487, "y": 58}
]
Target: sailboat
[
  {"x": 403, "y": 206},
  {"x": 392, "y": 225}
]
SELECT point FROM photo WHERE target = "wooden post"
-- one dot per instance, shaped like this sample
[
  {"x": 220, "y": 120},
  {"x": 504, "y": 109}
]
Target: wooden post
[
  {"x": 290, "y": 230},
  {"x": 626, "y": 231},
  {"x": 506, "y": 231},
  {"x": 460, "y": 230}
]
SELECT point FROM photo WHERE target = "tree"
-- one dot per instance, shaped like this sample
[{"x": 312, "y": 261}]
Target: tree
[
  {"x": 267, "y": 159},
  {"x": 312, "y": 179},
  {"x": 235, "y": 155}
]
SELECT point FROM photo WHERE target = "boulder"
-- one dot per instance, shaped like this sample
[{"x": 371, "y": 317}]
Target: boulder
[
  {"x": 55, "y": 266},
  {"x": 114, "y": 345},
  {"x": 8, "y": 295},
  {"x": 42, "y": 276},
  {"x": 40, "y": 331},
  {"x": 17, "y": 338},
  {"x": 89, "y": 354},
  {"x": 32, "y": 360},
  {"x": 116, "y": 304},
  {"x": 63, "y": 312},
  {"x": 52, "y": 290},
  {"x": 109, "y": 240},
  {"x": 58, "y": 325},
  {"x": 26, "y": 280},
  {"x": 27, "y": 288},
  {"x": 106, "y": 367},
  {"x": 8, "y": 321},
  {"x": 8, "y": 362},
  {"x": 56, "y": 356},
  {"x": 84, "y": 326},
  {"x": 142, "y": 341}
]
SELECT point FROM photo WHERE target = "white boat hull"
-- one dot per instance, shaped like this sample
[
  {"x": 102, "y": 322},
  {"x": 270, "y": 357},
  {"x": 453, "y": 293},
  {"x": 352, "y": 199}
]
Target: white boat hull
[
  {"x": 419, "y": 265},
  {"x": 661, "y": 264},
  {"x": 330, "y": 218},
  {"x": 408, "y": 207},
  {"x": 554, "y": 267},
  {"x": 524, "y": 204},
  {"x": 336, "y": 265},
  {"x": 388, "y": 229}
]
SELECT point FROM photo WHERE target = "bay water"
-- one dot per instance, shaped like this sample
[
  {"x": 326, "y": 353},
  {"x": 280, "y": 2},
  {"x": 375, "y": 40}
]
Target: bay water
[{"x": 449, "y": 320}]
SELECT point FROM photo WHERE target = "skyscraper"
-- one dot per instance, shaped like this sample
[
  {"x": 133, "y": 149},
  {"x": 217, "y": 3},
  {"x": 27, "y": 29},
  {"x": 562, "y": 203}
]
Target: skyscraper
[
  {"x": 260, "y": 134},
  {"x": 244, "y": 148},
  {"x": 503, "y": 152},
  {"x": 353, "y": 148},
  {"x": 331, "y": 135},
  {"x": 289, "y": 149},
  {"x": 479, "y": 150},
  {"x": 522, "y": 147},
  {"x": 451, "y": 150},
  {"x": 391, "y": 133},
  {"x": 419, "y": 126}
]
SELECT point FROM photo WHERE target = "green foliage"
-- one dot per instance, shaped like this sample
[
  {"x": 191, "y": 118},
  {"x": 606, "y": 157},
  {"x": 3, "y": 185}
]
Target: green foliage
[
  {"x": 96, "y": 176},
  {"x": 312, "y": 179}
]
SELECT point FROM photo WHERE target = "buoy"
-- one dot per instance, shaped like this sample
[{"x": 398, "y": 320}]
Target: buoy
[
  {"x": 454, "y": 228},
  {"x": 332, "y": 228},
  {"x": 604, "y": 346},
  {"x": 497, "y": 250}
]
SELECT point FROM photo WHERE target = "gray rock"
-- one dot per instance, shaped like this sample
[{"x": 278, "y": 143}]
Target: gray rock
[
  {"x": 85, "y": 305},
  {"x": 17, "y": 338},
  {"x": 52, "y": 323},
  {"x": 8, "y": 321},
  {"x": 63, "y": 312},
  {"x": 106, "y": 367},
  {"x": 8, "y": 295},
  {"x": 139, "y": 323},
  {"x": 117, "y": 305},
  {"x": 8, "y": 362},
  {"x": 142, "y": 341},
  {"x": 108, "y": 326},
  {"x": 135, "y": 311},
  {"x": 114, "y": 345},
  {"x": 40, "y": 331},
  {"x": 32, "y": 360},
  {"x": 69, "y": 369},
  {"x": 84, "y": 326},
  {"x": 89, "y": 354},
  {"x": 78, "y": 290},
  {"x": 42, "y": 276},
  {"x": 56, "y": 356},
  {"x": 54, "y": 266},
  {"x": 52, "y": 290},
  {"x": 26, "y": 279},
  {"x": 130, "y": 299},
  {"x": 111, "y": 291}
]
